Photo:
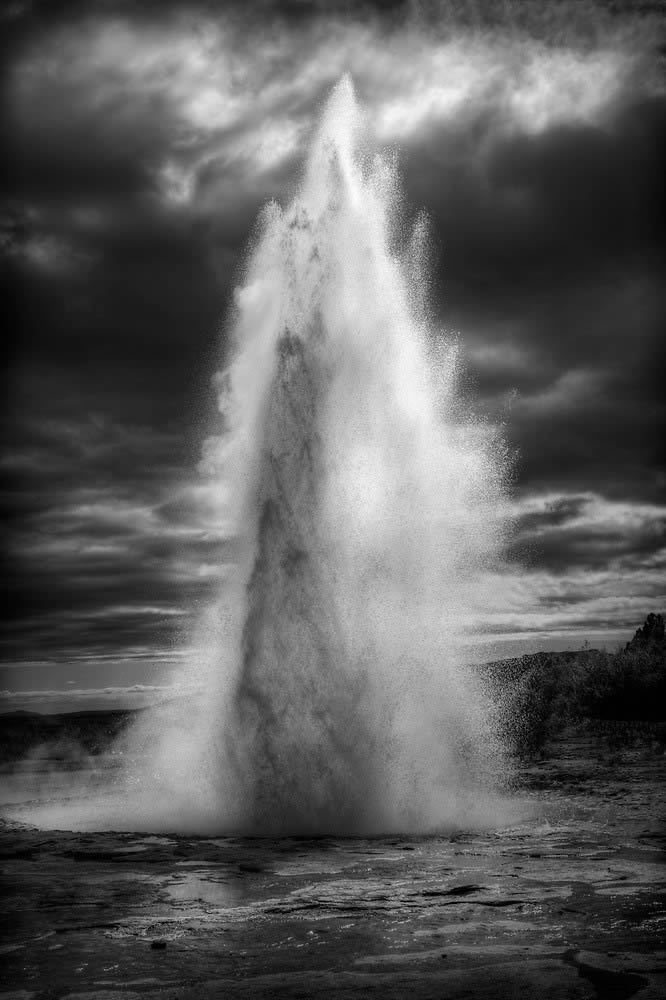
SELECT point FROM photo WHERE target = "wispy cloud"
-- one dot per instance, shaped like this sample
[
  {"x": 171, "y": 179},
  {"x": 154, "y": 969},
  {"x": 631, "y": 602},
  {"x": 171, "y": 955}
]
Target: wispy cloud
[{"x": 208, "y": 94}]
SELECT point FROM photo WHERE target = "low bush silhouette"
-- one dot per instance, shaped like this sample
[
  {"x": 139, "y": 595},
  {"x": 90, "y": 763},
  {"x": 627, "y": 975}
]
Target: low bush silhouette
[{"x": 542, "y": 693}]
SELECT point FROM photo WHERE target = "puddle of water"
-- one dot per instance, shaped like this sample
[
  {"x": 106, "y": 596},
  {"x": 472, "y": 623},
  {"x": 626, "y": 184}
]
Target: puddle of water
[{"x": 206, "y": 888}]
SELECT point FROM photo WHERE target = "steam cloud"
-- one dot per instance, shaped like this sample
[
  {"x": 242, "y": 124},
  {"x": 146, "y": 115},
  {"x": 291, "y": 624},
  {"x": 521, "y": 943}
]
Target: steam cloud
[{"x": 368, "y": 507}]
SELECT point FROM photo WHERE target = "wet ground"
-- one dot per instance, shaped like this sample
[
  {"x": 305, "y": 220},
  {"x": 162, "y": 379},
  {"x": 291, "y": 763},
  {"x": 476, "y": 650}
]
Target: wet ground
[{"x": 568, "y": 904}]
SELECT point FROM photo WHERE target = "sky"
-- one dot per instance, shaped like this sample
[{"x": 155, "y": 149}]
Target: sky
[{"x": 141, "y": 142}]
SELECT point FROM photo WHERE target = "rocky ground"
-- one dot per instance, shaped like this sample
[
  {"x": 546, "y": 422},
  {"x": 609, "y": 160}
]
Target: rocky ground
[{"x": 569, "y": 903}]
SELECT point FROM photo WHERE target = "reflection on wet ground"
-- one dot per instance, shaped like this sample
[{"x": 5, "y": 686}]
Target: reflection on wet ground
[{"x": 567, "y": 904}]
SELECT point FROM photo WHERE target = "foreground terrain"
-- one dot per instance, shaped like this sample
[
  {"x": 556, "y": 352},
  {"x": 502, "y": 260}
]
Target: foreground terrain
[{"x": 569, "y": 903}]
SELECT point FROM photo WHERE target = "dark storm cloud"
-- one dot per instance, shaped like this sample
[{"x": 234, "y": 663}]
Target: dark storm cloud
[
  {"x": 527, "y": 218},
  {"x": 553, "y": 270},
  {"x": 117, "y": 555},
  {"x": 553, "y": 249},
  {"x": 141, "y": 145}
]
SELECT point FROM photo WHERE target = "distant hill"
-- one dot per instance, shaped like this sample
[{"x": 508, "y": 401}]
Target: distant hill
[{"x": 94, "y": 731}]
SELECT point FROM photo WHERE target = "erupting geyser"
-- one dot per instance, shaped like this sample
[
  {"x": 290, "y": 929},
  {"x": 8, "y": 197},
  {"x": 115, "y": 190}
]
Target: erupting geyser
[{"x": 366, "y": 503}]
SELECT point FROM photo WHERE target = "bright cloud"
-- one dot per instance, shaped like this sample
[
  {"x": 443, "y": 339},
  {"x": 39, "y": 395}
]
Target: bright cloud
[{"x": 228, "y": 94}]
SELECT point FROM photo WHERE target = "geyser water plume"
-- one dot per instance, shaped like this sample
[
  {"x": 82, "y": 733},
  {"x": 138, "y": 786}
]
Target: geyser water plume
[{"x": 366, "y": 504}]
